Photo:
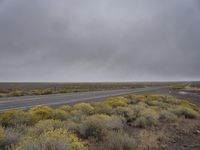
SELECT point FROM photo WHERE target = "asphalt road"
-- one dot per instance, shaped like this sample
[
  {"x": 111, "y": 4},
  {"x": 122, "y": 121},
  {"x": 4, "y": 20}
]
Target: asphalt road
[{"x": 26, "y": 102}]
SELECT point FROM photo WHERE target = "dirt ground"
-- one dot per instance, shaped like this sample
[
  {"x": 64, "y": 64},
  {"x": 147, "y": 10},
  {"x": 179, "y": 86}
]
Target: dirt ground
[{"x": 184, "y": 135}]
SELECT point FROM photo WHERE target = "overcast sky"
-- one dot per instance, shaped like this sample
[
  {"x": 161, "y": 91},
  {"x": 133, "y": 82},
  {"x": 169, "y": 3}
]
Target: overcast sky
[{"x": 99, "y": 40}]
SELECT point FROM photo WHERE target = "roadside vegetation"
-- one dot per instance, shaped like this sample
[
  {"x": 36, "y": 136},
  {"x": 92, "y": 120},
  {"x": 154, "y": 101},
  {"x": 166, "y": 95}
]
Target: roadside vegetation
[
  {"x": 193, "y": 87},
  {"x": 121, "y": 123},
  {"x": 22, "y": 89}
]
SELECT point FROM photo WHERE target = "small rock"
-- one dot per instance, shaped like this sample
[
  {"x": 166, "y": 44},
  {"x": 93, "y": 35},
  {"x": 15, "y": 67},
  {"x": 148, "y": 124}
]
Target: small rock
[{"x": 198, "y": 131}]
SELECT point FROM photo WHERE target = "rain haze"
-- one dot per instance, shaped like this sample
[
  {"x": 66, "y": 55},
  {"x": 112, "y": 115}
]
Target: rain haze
[{"x": 99, "y": 40}]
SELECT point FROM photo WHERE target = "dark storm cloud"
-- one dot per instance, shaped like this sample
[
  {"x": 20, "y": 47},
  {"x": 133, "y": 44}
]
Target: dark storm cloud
[{"x": 107, "y": 40}]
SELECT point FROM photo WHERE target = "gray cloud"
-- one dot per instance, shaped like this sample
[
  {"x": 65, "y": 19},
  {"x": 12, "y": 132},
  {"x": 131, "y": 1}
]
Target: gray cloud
[{"x": 107, "y": 40}]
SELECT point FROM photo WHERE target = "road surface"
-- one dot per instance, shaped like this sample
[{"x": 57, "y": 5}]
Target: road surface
[{"x": 26, "y": 102}]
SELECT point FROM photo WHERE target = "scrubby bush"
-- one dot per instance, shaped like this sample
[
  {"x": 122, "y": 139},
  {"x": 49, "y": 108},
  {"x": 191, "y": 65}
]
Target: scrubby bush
[
  {"x": 72, "y": 126},
  {"x": 16, "y": 93},
  {"x": 116, "y": 140},
  {"x": 155, "y": 103},
  {"x": 40, "y": 113},
  {"x": 76, "y": 115},
  {"x": 141, "y": 122},
  {"x": 137, "y": 110},
  {"x": 97, "y": 125},
  {"x": 148, "y": 117},
  {"x": 170, "y": 100},
  {"x": 132, "y": 99},
  {"x": 167, "y": 116},
  {"x": 64, "y": 91},
  {"x": 149, "y": 140},
  {"x": 185, "y": 112},
  {"x": 36, "y": 92},
  {"x": 47, "y": 125},
  {"x": 66, "y": 108},
  {"x": 59, "y": 114},
  {"x": 85, "y": 108},
  {"x": 15, "y": 117},
  {"x": 2, "y": 135},
  {"x": 117, "y": 102},
  {"x": 58, "y": 139},
  {"x": 2, "y": 95},
  {"x": 103, "y": 108},
  {"x": 124, "y": 112},
  {"x": 42, "y": 92},
  {"x": 188, "y": 105},
  {"x": 47, "y": 91},
  {"x": 11, "y": 137}
]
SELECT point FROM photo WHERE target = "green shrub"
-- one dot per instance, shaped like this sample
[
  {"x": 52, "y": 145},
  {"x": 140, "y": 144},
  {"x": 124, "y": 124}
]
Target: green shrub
[
  {"x": 97, "y": 125},
  {"x": 58, "y": 139}
]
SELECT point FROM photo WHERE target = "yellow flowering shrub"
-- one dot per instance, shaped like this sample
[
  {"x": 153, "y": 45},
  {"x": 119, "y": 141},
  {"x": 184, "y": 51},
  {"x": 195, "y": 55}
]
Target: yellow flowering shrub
[
  {"x": 66, "y": 108},
  {"x": 39, "y": 113},
  {"x": 84, "y": 107},
  {"x": 46, "y": 125},
  {"x": 103, "y": 108},
  {"x": 59, "y": 114},
  {"x": 17, "y": 93},
  {"x": 58, "y": 139},
  {"x": 2, "y": 135},
  {"x": 148, "y": 117},
  {"x": 15, "y": 117},
  {"x": 185, "y": 112},
  {"x": 98, "y": 124},
  {"x": 118, "y": 101}
]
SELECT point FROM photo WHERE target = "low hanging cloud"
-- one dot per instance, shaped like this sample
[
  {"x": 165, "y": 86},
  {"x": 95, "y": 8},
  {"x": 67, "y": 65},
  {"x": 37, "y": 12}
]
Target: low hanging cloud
[{"x": 92, "y": 40}]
